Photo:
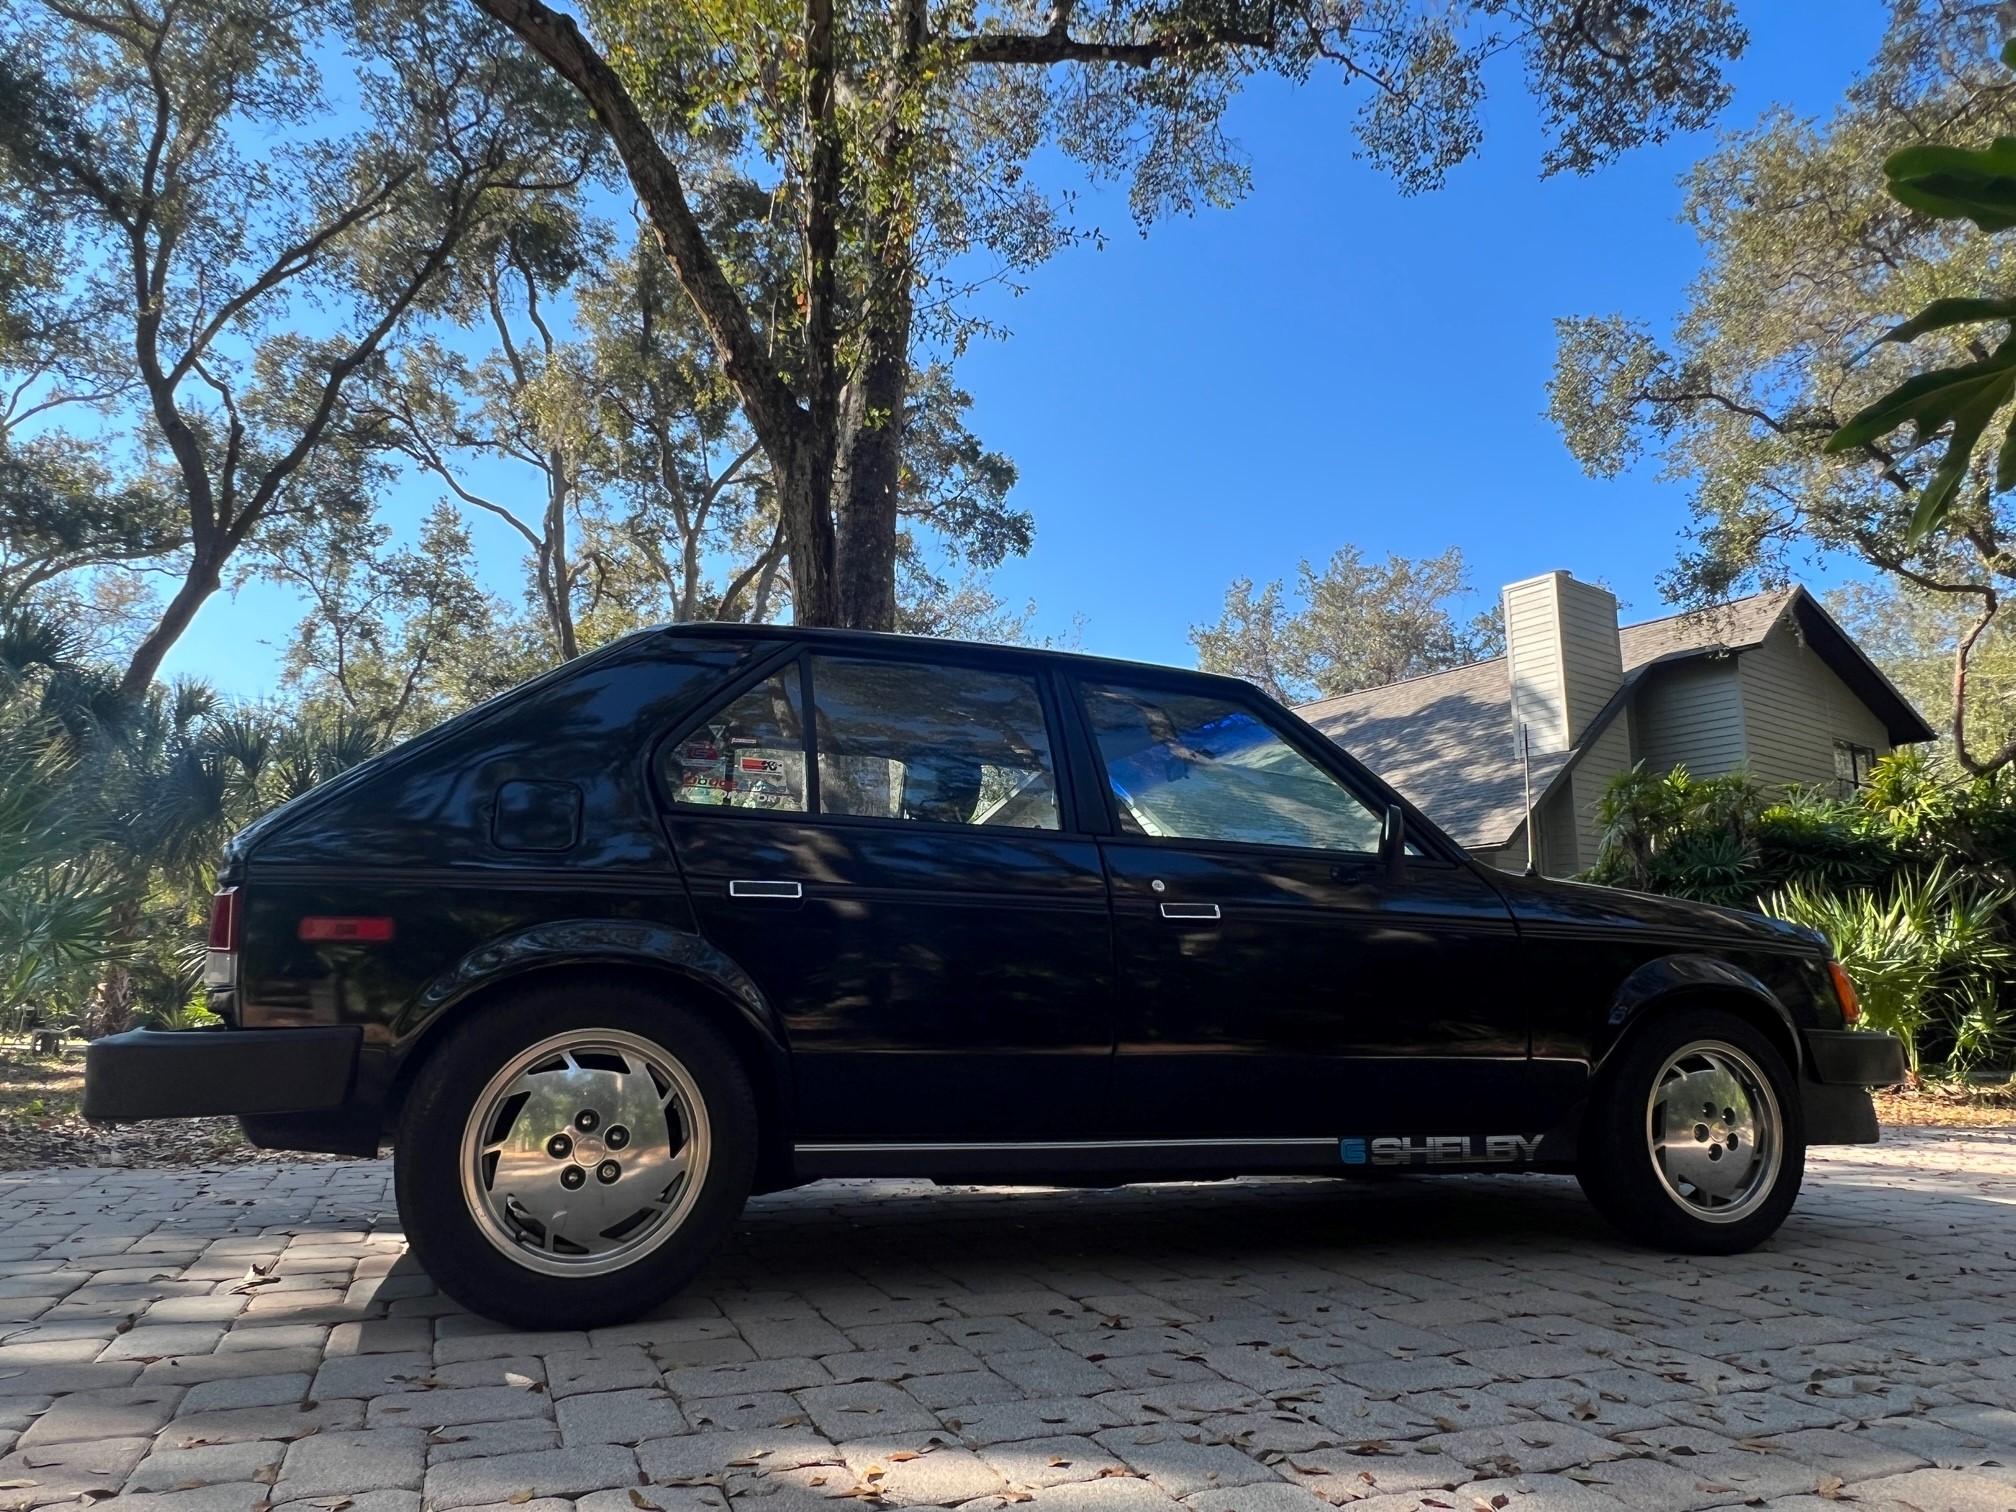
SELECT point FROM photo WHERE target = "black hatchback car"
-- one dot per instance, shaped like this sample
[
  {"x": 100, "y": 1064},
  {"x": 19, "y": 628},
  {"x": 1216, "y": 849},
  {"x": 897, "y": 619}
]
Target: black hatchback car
[{"x": 728, "y": 908}]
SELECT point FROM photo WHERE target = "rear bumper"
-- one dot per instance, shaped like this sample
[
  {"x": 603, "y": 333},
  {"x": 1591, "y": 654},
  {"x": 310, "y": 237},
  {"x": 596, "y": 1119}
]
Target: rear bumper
[{"x": 201, "y": 1073}]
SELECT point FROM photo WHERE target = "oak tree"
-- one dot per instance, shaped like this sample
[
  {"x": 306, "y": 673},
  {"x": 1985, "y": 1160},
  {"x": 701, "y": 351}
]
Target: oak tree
[{"x": 901, "y": 138}]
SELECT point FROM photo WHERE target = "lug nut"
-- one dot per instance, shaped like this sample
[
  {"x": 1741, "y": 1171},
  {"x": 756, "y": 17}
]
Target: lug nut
[
  {"x": 559, "y": 1147},
  {"x": 617, "y": 1137},
  {"x": 607, "y": 1172},
  {"x": 573, "y": 1177},
  {"x": 587, "y": 1120}
]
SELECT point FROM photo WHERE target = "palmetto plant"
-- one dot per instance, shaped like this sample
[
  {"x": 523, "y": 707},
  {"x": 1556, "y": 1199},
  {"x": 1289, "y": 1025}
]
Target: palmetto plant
[
  {"x": 112, "y": 817},
  {"x": 57, "y": 897},
  {"x": 1927, "y": 953}
]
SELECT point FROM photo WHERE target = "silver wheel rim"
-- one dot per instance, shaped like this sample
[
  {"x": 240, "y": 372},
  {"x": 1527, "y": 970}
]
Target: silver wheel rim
[
  {"x": 585, "y": 1153},
  {"x": 1715, "y": 1131}
]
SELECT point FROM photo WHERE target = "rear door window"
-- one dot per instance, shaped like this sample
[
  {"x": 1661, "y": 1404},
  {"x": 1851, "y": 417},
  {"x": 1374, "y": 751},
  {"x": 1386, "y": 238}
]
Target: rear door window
[{"x": 932, "y": 744}]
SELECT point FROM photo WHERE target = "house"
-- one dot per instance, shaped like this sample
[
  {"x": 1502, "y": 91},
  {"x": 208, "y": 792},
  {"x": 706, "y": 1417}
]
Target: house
[{"x": 1769, "y": 683}]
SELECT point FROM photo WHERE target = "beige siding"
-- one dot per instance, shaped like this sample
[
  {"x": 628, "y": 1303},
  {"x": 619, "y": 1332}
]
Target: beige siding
[
  {"x": 1539, "y": 699},
  {"x": 1564, "y": 658},
  {"x": 1691, "y": 715},
  {"x": 1590, "y": 653},
  {"x": 1607, "y": 755},
  {"x": 1560, "y": 846},
  {"x": 1510, "y": 857},
  {"x": 1795, "y": 708}
]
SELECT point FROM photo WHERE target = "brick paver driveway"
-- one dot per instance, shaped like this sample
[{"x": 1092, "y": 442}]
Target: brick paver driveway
[{"x": 1257, "y": 1347}]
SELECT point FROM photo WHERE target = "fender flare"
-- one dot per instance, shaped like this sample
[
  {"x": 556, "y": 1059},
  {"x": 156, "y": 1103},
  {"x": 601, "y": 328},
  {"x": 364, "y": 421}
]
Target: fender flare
[
  {"x": 1667, "y": 977},
  {"x": 628, "y": 943}
]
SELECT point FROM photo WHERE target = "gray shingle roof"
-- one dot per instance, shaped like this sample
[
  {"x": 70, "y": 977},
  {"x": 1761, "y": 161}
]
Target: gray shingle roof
[{"x": 1445, "y": 740}]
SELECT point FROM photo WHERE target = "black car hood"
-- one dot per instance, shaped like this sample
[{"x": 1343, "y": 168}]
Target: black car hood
[{"x": 1543, "y": 901}]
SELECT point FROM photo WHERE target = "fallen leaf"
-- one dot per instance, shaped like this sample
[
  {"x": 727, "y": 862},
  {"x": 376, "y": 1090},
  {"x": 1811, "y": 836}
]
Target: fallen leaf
[
  {"x": 519, "y": 1498},
  {"x": 638, "y": 1500}
]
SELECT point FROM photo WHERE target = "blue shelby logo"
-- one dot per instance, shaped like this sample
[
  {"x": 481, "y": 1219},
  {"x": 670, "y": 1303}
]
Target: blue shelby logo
[{"x": 1351, "y": 1151}]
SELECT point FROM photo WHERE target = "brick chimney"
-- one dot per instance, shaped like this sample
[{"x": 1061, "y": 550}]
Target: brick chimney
[{"x": 1564, "y": 657}]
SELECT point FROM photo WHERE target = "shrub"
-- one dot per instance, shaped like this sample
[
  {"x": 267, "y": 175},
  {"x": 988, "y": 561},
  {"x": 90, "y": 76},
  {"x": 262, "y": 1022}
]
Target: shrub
[
  {"x": 1912, "y": 879},
  {"x": 1928, "y": 955}
]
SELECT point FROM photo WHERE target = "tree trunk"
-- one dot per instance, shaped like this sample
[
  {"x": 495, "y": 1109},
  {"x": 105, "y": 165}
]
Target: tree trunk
[
  {"x": 866, "y": 540},
  {"x": 203, "y": 580},
  {"x": 111, "y": 1007}
]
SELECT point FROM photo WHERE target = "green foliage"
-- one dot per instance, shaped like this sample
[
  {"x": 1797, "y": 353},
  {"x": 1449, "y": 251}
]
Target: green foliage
[
  {"x": 1950, "y": 183},
  {"x": 112, "y": 818},
  {"x": 1910, "y": 879},
  {"x": 1781, "y": 345},
  {"x": 1360, "y": 624},
  {"x": 1929, "y": 954}
]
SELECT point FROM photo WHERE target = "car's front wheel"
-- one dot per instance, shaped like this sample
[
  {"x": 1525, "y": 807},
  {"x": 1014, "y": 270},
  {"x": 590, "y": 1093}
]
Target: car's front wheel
[
  {"x": 1693, "y": 1140},
  {"x": 571, "y": 1155}
]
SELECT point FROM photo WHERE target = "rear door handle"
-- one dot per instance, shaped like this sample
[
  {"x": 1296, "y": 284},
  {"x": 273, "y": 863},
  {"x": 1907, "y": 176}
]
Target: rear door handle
[
  {"x": 1190, "y": 911},
  {"x": 757, "y": 889}
]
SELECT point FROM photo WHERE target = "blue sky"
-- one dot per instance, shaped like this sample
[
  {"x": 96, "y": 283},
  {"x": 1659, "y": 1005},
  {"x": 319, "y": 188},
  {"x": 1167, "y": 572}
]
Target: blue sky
[{"x": 1327, "y": 363}]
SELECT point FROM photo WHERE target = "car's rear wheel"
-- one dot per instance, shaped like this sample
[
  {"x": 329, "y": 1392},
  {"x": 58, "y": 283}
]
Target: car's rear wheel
[
  {"x": 572, "y": 1154},
  {"x": 1693, "y": 1139}
]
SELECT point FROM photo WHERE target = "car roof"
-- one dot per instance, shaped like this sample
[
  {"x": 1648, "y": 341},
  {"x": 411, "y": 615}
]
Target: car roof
[{"x": 872, "y": 640}]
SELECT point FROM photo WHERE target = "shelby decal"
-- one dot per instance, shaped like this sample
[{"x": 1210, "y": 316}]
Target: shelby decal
[{"x": 1441, "y": 1149}]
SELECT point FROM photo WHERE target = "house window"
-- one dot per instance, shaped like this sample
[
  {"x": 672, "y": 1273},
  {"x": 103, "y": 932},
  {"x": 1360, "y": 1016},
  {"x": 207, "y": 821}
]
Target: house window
[{"x": 1852, "y": 765}]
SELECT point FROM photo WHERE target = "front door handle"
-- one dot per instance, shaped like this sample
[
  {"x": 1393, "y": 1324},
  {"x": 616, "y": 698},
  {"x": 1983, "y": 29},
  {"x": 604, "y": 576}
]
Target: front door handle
[
  {"x": 1190, "y": 911},
  {"x": 756, "y": 889}
]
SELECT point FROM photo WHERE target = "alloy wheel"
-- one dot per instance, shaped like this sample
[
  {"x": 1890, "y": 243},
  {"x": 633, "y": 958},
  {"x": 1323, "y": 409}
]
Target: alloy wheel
[
  {"x": 585, "y": 1152},
  {"x": 1715, "y": 1131}
]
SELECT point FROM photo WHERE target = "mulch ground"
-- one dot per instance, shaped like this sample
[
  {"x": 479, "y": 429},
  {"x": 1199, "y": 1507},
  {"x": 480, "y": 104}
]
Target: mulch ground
[
  {"x": 40, "y": 1125},
  {"x": 1943, "y": 1106}
]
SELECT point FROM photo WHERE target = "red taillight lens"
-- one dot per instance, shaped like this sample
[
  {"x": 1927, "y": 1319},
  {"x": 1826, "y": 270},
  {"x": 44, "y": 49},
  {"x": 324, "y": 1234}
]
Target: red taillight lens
[
  {"x": 224, "y": 918},
  {"x": 1844, "y": 991},
  {"x": 369, "y": 930}
]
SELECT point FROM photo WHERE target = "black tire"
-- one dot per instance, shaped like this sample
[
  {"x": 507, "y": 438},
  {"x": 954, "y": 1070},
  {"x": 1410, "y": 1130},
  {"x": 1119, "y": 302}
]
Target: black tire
[
  {"x": 1618, "y": 1169},
  {"x": 445, "y": 1232}
]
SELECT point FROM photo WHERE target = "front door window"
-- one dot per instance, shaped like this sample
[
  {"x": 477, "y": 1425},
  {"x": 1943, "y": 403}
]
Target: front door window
[{"x": 1194, "y": 766}]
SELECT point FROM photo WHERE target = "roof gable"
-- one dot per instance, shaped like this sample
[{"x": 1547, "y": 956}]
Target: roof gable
[{"x": 1445, "y": 739}]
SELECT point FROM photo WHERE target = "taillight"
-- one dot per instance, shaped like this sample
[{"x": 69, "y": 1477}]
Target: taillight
[
  {"x": 1845, "y": 993},
  {"x": 227, "y": 920},
  {"x": 224, "y": 918},
  {"x": 372, "y": 930}
]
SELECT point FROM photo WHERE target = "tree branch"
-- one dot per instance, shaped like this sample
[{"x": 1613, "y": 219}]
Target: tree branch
[{"x": 1043, "y": 49}]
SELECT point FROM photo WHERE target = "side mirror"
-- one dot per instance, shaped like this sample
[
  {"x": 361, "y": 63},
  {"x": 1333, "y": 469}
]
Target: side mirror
[{"x": 1393, "y": 843}]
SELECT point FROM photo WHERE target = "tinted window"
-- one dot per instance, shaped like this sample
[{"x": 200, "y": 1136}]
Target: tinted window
[
  {"x": 944, "y": 745},
  {"x": 1196, "y": 767},
  {"x": 748, "y": 754}
]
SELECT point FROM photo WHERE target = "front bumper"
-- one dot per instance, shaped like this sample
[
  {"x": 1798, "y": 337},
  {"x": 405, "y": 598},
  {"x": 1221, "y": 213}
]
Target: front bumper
[
  {"x": 1855, "y": 1057},
  {"x": 203, "y": 1073},
  {"x": 1841, "y": 1065}
]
